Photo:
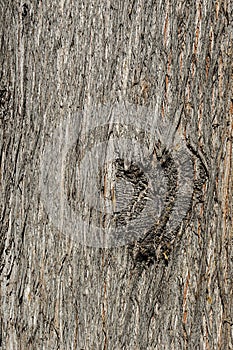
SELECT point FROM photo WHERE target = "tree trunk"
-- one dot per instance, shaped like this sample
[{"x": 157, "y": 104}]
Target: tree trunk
[{"x": 116, "y": 175}]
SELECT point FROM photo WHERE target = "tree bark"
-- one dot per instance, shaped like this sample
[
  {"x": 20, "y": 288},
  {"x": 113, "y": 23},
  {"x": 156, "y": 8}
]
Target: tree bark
[{"x": 165, "y": 68}]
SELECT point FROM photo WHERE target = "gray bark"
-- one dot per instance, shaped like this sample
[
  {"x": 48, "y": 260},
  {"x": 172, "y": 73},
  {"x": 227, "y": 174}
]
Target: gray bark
[{"x": 99, "y": 61}]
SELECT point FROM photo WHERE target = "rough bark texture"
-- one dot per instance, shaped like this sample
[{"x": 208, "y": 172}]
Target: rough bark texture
[{"x": 57, "y": 58}]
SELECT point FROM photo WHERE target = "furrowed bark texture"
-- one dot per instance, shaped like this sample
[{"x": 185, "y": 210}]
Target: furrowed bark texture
[{"x": 59, "y": 58}]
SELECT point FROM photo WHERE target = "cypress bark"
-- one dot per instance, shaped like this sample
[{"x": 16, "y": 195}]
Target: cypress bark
[{"x": 165, "y": 68}]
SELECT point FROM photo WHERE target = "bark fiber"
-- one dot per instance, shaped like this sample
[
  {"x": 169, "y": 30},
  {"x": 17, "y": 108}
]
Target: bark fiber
[{"x": 57, "y": 58}]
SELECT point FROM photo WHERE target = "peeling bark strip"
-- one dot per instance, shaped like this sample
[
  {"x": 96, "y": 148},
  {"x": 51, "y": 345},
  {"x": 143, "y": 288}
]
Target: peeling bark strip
[{"x": 114, "y": 64}]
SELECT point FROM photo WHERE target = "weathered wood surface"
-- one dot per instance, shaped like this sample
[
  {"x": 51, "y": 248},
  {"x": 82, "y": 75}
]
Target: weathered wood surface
[{"x": 59, "y": 58}]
